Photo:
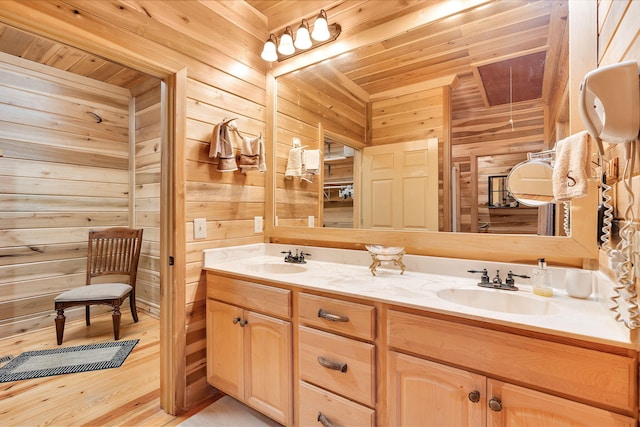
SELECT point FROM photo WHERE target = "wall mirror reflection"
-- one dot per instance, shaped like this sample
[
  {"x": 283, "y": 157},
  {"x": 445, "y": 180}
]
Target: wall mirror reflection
[{"x": 487, "y": 103}]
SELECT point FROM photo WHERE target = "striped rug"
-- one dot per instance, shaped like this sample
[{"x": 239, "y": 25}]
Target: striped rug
[{"x": 67, "y": 360}]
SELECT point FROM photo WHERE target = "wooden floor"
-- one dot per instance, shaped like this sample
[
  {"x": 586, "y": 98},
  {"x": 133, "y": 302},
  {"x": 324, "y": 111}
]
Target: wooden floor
[{"x": 124, "y": 396}]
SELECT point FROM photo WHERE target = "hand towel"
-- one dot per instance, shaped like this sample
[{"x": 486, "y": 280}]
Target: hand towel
[
  {"x": 294, "y": 163},
  {"x": 571, "y": 168},
  {"x": 220, "y": 146},
  {"x": 311, "y": 161},
  {"x": 252, "y": 155}
]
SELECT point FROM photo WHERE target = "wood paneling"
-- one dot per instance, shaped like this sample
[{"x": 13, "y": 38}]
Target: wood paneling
[
  {"x": 64, "y": 171},
  {"x": 146, "y": 172}
]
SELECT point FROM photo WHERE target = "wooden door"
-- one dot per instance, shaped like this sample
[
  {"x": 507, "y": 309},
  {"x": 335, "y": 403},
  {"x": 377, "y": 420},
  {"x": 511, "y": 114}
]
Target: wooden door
[
  {"x": 423, "y": 393},
  {"x": 268, "y": 366},
  {"x": 523, "y": 407},
  {"x": 400, "y": 186},
  {"x": 225, "y": 348}
]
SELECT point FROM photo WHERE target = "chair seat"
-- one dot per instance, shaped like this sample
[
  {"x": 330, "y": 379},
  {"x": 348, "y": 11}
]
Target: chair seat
[{"x": 95, "y": 292}]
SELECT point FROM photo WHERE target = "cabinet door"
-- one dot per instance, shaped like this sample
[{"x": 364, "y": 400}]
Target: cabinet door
[
  {"x": 527, "y": 408},
  {"x": 224, "y": 348},
  {"x": 268, "y": 361},
  {"x": 423, "y": 393}
]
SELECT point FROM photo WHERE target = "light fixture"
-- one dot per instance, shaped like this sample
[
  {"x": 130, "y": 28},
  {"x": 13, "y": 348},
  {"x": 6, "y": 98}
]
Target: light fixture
[
  {"x": 321, "y": 28},
  {"x": 285, "y": 47},
  {"x": 286, "y": 43},
  {"x": 269, "y": 51},
  {"x": 303, "y": 41}
]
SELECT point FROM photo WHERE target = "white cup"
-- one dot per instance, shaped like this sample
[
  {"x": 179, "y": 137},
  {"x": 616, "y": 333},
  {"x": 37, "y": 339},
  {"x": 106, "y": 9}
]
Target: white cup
[{"x": 578, "y": 283}]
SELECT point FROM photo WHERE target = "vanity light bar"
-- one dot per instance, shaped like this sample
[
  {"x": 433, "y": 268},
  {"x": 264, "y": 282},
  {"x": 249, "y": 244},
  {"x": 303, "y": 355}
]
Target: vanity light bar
[{"x": 286, "y": 47}]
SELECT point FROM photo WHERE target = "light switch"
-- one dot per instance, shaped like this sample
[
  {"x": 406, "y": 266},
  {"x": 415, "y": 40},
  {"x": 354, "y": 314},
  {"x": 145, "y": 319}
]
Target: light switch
[
  {"x": 312, "y": 221},
  {"x": 199, "y": 228},
  {"x": 257, "y": 224}
]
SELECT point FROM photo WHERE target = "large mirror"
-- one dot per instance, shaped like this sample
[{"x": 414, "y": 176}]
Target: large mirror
[{"x": 488, "y": 85}]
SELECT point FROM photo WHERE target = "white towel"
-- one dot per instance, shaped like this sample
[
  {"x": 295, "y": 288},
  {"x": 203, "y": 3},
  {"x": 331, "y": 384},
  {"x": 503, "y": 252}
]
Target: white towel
[
  {"x": 311, "y": 161},
  {"x": 571, "y": 168},
  {"x": 294, "y": 163}
]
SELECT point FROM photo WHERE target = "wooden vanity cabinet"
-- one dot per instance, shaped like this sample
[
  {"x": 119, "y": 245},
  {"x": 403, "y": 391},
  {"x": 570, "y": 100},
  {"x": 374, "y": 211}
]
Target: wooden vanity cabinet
[
  {"x": 580, "y": 385},
  {"x": 249, "y": 353},
  {"x": 336, "y": 362}
]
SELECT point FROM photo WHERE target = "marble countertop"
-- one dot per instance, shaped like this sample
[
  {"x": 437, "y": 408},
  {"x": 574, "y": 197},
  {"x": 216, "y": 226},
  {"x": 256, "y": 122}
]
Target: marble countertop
[{"x": 346, "y": 272}]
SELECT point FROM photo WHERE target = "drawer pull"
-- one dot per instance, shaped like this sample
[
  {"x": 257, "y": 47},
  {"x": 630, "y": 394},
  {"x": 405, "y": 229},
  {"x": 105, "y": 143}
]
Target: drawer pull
[
  {"x": 474, "y": 396},
  {"x": 322, "y": 419},
  {"x": 495, "y": 404},
  {"x": 236, "y": 320},
  {"x": 332, "y": 317},
  {"x": 342, "y": 367}
]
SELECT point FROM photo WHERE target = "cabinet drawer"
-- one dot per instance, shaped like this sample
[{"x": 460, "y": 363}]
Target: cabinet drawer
[
  {"x": 339, "y": 411},
  {"x": 345, "y": 317},
  {"x": 355, "y": 380},
  {"x": 262, "y": 298},
  {"x": 603, "y": 379}
]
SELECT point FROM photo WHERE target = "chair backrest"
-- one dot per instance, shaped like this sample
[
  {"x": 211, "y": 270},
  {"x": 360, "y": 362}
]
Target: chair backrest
[{"x": 114, "y": 251}]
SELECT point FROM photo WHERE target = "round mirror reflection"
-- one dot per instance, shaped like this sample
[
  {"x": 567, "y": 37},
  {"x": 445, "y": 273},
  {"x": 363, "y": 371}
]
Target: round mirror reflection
[{"x": 530, "y": 183}]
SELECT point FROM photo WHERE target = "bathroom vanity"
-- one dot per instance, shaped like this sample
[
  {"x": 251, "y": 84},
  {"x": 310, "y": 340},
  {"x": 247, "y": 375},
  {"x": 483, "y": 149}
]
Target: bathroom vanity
[{"x": 328, "y": 343}]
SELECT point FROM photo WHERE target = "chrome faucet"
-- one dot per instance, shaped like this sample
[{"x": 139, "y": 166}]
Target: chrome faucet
[
  {"x": 496, "y": 283},
  {"x": 298, "y": 258}
]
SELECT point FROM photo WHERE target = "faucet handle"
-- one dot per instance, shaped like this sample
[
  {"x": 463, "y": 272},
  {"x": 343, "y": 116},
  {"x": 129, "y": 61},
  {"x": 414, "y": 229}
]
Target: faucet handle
[
  {"x": 485, "y": 275},
  {"x": 510, "y": 281}
]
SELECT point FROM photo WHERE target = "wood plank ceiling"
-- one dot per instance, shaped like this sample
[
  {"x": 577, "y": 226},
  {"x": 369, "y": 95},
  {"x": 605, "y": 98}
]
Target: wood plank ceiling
[
  {"x": 525, "y": 36},
  {"x": 507, "y": 33},
  {"x": 39, "y": 49}
]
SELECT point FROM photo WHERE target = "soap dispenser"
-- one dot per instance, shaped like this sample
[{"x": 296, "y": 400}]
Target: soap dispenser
[{"x": 542, "y": 279}]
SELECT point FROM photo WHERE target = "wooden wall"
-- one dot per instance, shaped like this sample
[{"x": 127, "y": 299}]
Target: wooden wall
[
  {"x": 146, "y": 196},
  {"x": 481, "y": 132},
  {"x": 308, "y": 101},
  {"x": 64, "y": 170},
  {"x": 618, "y": 41}
]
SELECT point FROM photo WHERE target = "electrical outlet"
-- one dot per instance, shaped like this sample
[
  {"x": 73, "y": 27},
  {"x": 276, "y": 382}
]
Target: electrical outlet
[
  {"x": 200, "y": 228},
  {"x": 258, "y": 224},
  {"x": 312, "y": 221}
]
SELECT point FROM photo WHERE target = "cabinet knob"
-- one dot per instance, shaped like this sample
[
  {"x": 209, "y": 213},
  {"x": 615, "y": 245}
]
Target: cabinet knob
[
  {"x": 237, "y": 320},
  {"x": 332, "y": 317},
  {"x": 342, "y": 367},
  {"x": 474, "y": 396},
  {"x": 322, "y": 419},
  {"x": 495, "y": 404}
]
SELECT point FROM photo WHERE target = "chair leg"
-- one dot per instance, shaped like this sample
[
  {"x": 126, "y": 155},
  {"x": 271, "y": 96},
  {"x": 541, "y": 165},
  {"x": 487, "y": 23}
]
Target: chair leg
[
  {"x": 134, "y": 309},
  {"x": 116, "y": 322},
  {"x": 60, "y": 318},
  {"x": 86, "y": 314}
]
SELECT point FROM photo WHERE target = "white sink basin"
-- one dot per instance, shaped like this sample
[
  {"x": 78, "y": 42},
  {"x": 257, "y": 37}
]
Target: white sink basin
[
  {"x": 503, "y": 301},
  {"x": 275, "y": 268}
]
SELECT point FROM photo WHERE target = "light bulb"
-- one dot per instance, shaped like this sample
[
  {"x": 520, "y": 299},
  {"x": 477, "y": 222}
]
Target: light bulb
[
  {"x": 286, "y": 43},
  {"x": 321, "y": 27},
  {"x": 302, "y": 36},
  {"x": 269, "y": 51}
]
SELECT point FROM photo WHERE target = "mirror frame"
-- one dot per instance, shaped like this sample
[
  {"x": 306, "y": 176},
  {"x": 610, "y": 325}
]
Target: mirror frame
[{"x": 580, "y": 249}]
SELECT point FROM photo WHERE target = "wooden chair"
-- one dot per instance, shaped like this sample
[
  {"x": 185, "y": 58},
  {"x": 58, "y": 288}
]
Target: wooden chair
[{"x": 113, "y": 251}]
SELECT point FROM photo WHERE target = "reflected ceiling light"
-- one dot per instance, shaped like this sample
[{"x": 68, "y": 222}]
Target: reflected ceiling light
[
  {"x": 321, "y": 28},
  {"x": 286, "y": 47},
  {"x": 269, "y": 50},
  {"x": 303, "y": 41},
  {"x": 286, "y": 43}
]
